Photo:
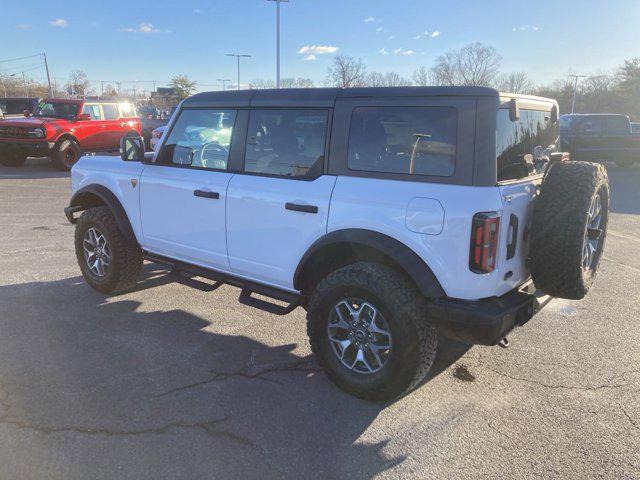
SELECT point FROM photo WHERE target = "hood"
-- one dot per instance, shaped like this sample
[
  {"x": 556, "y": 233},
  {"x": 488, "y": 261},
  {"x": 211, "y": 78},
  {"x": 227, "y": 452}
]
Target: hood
[{"x": 25, "y": 122}]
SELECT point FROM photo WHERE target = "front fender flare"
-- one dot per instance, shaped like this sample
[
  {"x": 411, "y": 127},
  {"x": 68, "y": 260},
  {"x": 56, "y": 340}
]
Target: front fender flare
[{"x": 85, "y": 198}]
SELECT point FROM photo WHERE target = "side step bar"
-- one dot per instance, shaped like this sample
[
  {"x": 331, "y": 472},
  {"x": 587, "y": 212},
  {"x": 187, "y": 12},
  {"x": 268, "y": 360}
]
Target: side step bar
[{"x": 183, "y": 273}]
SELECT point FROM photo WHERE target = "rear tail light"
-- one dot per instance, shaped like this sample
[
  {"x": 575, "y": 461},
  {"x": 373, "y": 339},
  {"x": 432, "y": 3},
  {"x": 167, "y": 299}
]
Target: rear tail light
[{"x": 484, "y": 242}]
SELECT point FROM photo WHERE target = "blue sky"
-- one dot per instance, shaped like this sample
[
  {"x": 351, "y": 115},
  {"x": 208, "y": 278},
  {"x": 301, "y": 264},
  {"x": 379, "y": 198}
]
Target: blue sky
[{"x": 152, "y": 40}]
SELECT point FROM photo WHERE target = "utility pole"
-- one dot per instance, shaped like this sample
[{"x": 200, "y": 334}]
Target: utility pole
[
  {"x": 278, "y": 39},
  {"x": 224, "y": 82},
  {"x": 26, "y": 87},
  {"x": 46, "y": 67},
  {"x": 101, "y": 89},
  {"x": 238, "y": 56},
  {"x": 575, "y": 89}
]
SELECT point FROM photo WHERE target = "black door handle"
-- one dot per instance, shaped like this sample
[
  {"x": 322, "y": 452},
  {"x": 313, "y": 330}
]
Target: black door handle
[
  {"x": 301, "y": 208},
  {"x": 206, "y": 194}
]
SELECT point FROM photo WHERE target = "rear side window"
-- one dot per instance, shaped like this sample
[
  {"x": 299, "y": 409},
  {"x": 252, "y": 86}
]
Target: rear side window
[
  {"x": 200, "y": 138},
  {"x": 93, "y": 111},
  {"x": 407, "y": 140},
  {"x": 523, "y": 146},
  {"x": 616, "y": 126},
  {"x": 110, "y": 111},
  {"x": 288, "y": 143}
]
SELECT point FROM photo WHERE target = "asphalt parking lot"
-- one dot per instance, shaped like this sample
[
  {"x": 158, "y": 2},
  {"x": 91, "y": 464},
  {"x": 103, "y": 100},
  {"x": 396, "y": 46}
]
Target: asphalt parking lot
[{"x": 171, "y": 382}]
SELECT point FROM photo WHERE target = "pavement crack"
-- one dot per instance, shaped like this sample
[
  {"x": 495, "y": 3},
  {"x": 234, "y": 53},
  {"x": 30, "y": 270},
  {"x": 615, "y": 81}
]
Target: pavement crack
[
  {"x": 631, "y": 420},
  {"x": 607, "y": 259}
]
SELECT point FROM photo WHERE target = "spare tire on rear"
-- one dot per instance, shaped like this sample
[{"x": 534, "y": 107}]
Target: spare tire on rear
[{"x": 569, "y": 227}]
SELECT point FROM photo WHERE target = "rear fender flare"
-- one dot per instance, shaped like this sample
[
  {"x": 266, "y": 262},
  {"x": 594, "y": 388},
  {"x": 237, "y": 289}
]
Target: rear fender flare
[{"x": 398, "y": 252}]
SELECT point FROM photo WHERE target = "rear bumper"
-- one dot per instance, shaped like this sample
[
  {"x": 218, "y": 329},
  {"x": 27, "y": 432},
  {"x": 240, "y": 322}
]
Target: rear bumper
[
  {"x": 27, "y": 148},
  {"x": 485, "y": 322}
]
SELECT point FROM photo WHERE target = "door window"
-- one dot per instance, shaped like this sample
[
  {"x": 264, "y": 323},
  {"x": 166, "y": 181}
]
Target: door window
[
  {"x": 110, "y": 111},
  {"x": 93, "y": 111},
  {"x": 407, "y": 140},
  {"x": 288, "y": 143},
  {"x": 200, "y": 139}
]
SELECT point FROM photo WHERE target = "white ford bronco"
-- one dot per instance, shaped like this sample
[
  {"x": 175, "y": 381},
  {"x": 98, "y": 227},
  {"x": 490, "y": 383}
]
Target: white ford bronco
[{"x": 389, "y": 214}]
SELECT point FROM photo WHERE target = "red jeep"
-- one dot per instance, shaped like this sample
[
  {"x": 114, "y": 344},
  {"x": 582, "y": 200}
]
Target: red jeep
[{"x": 65, "y": 128}]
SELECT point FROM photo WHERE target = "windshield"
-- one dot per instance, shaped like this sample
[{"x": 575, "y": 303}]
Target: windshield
[{"x": 57, "y": 110}]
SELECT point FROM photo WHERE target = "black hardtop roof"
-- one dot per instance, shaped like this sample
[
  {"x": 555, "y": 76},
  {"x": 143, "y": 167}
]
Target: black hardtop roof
[
  {"x": 326, "y": 96},
  {"x": 594, "y": 115}
]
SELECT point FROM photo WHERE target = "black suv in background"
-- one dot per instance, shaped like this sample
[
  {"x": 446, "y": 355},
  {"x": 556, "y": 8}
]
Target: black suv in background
[
  {"x": 16, "y": 106},
  {"x": 598, "y": 137}
]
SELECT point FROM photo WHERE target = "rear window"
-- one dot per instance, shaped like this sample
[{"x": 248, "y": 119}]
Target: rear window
[
  {"x": 406, "y": 140},
  {"x": 523, "y": 146}
]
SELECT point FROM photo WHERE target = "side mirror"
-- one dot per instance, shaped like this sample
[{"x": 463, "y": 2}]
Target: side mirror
[
  {"x": 132, "y": 148},
  {"x": 84, "y": 117},
  {"x": 514, "y": 110},
  {"x": 26, "y": 113}
]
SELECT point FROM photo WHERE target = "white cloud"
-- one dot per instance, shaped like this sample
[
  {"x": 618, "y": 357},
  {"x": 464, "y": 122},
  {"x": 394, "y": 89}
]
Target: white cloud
[
  {"x": 418, "y": 37},
  {"x": 317, "y": 49},
  {"x": 310, "y": 58},
  {"x": 391, "y": 37},
  {"x": 398, "y": 51},
  {"x": 369, "y": 19},
  {"x": 144, "y": 27},
  {"x": 428, "y": 34},
  {"x": 525, "y": 28},
  {"x": 383, "y": 51},
  {"x": 23, "y": 26},
  {"x": 407, "y": 53},
  {"x": 435, "y": 34},
  {"x": 59, "y": 22},
  {"x": 379, "y": 30}
]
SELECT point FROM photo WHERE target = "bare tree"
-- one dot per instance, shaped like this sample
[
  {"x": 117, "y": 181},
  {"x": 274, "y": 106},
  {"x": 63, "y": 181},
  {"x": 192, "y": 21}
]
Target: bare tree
[
  {"x": 423, "y": 77},
  {"x": 389, "y": 79},
  {"x": 346, "y": 72},
  {"x": 473, "y": 65},
  {"x": 78, "y": 84},
  {"x": 296, "y": 83},
  {"x": 262, "y": 83},
  {"x": 515, "y": 82}
]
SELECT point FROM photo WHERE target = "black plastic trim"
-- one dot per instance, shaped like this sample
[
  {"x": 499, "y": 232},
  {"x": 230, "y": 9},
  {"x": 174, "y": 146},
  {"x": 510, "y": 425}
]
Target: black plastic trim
[
  {"x": 206, "y": 194},
  {"x": 408, "y": 260},
  {"x": 486, "y": 322},
  {"x": 79, "y": 203},
  {"x": 301, "y": 208}
]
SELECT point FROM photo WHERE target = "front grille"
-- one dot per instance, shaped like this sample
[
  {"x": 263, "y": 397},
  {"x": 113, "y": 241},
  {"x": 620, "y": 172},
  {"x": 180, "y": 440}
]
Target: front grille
[{"x": 14, "y": 132}]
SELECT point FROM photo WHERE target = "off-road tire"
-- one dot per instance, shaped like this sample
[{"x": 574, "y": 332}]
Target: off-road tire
[
  {"x": 13, "y": 160},
  {"x": 559, "y": 225},
  {"x": 126, "y": 257},
  {"x": 414, "y": 340},
  {"x": 625, "y": 162},
  {"x": 65, "y": 155}
]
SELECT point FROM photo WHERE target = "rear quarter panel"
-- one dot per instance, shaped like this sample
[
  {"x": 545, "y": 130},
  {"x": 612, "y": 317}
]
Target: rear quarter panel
[
  {"x": 383, "y": 206},
  {"x": 116, "y": 175}
]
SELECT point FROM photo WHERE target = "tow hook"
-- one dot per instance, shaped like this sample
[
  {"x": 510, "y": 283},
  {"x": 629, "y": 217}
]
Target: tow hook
[{"x": 504, "y": 342}]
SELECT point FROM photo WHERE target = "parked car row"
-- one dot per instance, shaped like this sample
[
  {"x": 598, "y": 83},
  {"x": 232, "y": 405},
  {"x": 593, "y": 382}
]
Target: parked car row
[{"x": 64, "y": 129}]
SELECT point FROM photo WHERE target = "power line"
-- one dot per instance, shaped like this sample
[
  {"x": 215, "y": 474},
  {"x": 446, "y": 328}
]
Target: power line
[{"x": 21, "y": 58}]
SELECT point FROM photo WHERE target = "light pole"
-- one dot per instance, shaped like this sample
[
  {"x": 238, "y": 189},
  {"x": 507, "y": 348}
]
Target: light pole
[
  {"x": 224, "y": 82},
  {"x": 26, "y": 88},
  {"x": 238, "y": 57},
  {"x": 575, "y": 89},
  {"x": 278, "y": 2}
]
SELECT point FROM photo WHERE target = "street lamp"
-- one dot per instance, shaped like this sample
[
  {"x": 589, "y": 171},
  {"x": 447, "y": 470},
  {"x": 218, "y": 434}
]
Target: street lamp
[
  {"x": 224, "y": 82},
  {"x": 575, "y": 90},
  {"x": 278, "y": 2},
  {"x": 238, "y": 57}
]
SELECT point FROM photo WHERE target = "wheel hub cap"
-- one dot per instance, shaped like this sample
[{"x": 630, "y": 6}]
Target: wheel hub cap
[
  {"x": 359, "y": 336},
  {"x": 592, "y": 235},
  {"x": 96, "y": 252}
]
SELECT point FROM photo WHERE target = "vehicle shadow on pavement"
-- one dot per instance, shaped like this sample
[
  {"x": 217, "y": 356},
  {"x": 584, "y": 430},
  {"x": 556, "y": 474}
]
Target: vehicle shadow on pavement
[
  {"x": 625, "y": 194},
  {"x": 33, "y": 168},
  {"x": 185, "y": 398}
]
